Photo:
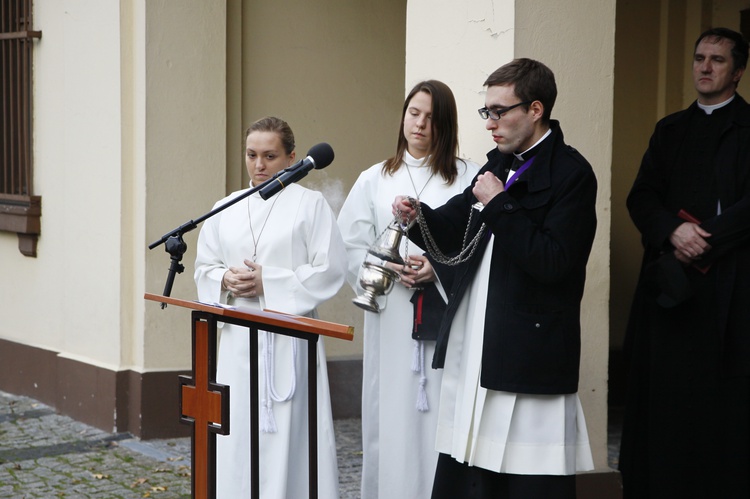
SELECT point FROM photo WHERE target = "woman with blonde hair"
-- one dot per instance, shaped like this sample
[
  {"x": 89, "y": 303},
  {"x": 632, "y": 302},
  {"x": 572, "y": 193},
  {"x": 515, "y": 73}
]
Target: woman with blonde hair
[{"x": 284, "y": 254}]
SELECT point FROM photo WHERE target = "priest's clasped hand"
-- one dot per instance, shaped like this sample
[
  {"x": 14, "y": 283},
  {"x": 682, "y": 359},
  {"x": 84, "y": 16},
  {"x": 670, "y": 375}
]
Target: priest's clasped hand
[
  {"x": 487, "y": 187},
  {"x": 244, "y": 282},
  {"x": 689, "y": 241}
]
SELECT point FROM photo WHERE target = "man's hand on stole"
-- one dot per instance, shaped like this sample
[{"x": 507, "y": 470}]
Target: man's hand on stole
[{"x": 487, "y": 187}]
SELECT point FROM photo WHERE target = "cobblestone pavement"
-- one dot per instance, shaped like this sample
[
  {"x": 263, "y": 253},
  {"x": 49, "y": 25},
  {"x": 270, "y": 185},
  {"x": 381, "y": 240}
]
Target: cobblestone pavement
[{"x": 46, "y": 455}]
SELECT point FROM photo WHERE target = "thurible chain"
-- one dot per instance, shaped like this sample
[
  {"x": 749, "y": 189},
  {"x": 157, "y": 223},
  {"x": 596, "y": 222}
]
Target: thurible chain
[{"x": 467, "y": 250}]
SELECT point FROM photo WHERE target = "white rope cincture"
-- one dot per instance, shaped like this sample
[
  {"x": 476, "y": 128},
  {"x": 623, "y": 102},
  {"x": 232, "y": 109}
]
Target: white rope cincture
[
  {"x": 267, "y": 418},
  {"x": 417, "y": 366}
]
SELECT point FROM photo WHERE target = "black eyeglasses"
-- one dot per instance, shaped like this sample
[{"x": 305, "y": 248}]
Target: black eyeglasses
[{"x": 496, "y": 114}]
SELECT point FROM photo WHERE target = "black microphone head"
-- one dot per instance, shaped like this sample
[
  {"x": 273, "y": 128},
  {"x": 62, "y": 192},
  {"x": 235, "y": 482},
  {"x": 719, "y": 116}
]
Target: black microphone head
[{"x": 322, "y": 155}]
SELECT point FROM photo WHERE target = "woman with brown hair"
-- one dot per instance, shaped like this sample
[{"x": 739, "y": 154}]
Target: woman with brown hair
[{"x": 398, "y": 424}]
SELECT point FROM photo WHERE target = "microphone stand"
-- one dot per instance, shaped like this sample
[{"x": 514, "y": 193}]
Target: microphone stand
[{"x": 175, "y": 245}]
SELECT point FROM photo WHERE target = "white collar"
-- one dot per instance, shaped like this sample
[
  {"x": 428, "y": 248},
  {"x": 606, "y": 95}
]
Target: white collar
[
  {"x": 713, "y": 107},
  {"x": 412, "y": 161},
  {"x": 520, "y": 156}
]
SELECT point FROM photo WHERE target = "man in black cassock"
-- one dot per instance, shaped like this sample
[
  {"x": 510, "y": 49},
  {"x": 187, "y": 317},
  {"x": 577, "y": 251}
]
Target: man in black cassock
[{"x": 687, "y": 420}]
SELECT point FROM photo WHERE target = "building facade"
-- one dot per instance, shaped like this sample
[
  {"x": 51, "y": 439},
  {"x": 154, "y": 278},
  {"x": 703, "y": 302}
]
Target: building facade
[{"x": 138, "y": 109}]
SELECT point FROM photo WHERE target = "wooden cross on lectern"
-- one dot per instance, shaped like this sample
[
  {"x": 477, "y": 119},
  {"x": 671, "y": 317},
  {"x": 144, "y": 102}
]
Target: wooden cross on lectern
[{"x": 204, "y": 404}]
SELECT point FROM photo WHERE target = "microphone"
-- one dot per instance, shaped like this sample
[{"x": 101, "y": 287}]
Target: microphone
[{"x": 319, "y": 156}]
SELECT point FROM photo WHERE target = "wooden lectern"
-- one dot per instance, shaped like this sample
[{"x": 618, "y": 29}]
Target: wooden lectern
[{"x": 204, "y": 404}]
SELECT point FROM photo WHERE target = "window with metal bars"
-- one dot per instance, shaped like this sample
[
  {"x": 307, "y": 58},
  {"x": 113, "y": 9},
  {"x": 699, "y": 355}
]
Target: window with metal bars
[{"x": 20, "y": 209}]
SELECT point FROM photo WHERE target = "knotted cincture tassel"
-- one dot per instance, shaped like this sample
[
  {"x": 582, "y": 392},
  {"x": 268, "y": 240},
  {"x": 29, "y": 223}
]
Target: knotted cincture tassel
[
  {"x": 417, "y": 366},
  {"x": 267, "y": 419}
]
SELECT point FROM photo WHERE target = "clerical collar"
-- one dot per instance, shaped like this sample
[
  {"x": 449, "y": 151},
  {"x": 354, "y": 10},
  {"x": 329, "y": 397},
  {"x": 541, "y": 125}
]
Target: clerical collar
[
  {"x": 710, "y": 109},
  {"x": 528, "y": 153}
]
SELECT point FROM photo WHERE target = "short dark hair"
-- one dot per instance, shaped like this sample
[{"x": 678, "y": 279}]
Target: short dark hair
[
  {"x": 444, "y": 147},
  {"x": 739, "y": 49},
  {"x": 531, "y": 81},
  {"x": 275, "y": 125}
]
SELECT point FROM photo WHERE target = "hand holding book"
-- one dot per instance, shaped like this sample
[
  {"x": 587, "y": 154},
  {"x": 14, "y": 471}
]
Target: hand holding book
[{"x": 690, "y": 218}]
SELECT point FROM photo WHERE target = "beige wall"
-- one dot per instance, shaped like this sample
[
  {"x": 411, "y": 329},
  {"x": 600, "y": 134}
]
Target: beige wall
[
  {"x": 139, "y": 111},
  {"x": 128, "y": 114},
  {"x": 336, "y": 76},
  {"x": 460, "y": 43},
  {"x": 67, "y": 299},
  {"x": 636, "y": 98},
  {"x": 180, "y": 106}
]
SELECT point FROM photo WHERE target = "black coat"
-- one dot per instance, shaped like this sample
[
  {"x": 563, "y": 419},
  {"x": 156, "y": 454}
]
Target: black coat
[
  {"x": 544, "y": 227},
  {"x": 686, "y": 425},
  {"x": 656, "y": 216}
]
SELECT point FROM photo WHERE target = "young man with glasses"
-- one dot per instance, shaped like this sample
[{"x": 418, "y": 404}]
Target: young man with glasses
[{"x": 510, "y": 421}]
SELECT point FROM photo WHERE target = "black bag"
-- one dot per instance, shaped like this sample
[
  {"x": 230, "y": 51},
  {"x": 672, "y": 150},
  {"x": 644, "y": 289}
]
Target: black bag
[{"x": 429, "y": 307}]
